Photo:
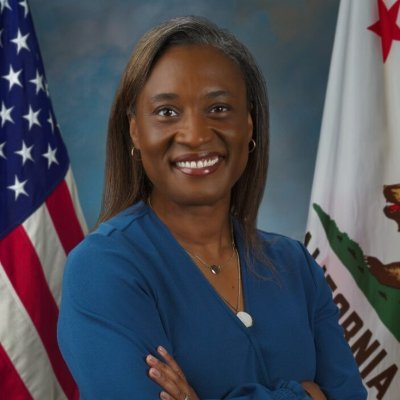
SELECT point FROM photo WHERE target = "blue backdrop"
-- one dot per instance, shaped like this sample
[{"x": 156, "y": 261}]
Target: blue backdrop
[{"x": 85, "y": 45}]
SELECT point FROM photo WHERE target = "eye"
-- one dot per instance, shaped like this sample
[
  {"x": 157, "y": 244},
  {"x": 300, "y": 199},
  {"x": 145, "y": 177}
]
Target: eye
[
  {"x": 219, "y": 108},
  {"x": 166, "y": 112}
]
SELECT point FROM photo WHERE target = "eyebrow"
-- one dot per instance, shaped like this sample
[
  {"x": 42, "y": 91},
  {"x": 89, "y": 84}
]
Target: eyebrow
[
  {"x": 217, "y": 93},
  {"x": 164, "y": 97},
  {"x": 173, "y": 96}
]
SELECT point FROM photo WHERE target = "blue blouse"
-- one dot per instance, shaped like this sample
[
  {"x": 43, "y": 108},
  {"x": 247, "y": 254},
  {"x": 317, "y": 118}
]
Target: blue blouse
[{"x": 130, "y": 287}]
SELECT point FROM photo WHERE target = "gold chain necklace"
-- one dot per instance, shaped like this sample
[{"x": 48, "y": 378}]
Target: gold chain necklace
[
  {"x": 245, "y": 317},
  {"x": 215, "y": 269}
]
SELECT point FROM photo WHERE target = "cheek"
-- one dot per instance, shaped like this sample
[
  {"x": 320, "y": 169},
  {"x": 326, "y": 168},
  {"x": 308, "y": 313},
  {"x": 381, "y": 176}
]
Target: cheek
[{"x": 153, "y": 139}]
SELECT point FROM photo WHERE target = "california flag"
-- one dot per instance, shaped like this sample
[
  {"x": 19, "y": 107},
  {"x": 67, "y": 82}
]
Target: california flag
[{"x": 354, "y": 219}]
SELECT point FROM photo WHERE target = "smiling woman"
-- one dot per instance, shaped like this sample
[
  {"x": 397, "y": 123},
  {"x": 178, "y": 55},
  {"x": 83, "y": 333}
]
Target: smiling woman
[
  {"x": 176, "y": 295},
  {"x": 193, "y": 128}
]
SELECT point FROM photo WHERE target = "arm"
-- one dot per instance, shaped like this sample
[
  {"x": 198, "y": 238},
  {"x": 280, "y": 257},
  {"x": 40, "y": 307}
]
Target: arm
[
  {"x": 337, "y": 373},
  {"x": 109, "y": 323},
  {"x": 172, "y": 380}
]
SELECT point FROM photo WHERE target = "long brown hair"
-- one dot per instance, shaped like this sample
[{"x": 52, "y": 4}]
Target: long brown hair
[{"x": 126, "y": 182}]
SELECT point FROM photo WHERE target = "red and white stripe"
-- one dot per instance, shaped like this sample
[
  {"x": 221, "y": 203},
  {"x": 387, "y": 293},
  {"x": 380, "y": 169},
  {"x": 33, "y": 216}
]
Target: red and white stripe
[{"x": 32, "y": 259}]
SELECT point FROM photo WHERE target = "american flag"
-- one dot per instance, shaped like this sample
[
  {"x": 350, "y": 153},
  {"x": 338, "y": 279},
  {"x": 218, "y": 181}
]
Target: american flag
[{"x": 40, "y": 218}]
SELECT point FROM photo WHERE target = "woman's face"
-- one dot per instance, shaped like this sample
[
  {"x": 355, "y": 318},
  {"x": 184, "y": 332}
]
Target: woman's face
[{"x": 192, "y": 126}]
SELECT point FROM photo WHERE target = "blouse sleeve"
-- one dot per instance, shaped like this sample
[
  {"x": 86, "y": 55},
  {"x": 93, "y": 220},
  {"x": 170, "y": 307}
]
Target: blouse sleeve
[
  {"x": 337, "y": 372},
  {"x": 109, "y": 322}
]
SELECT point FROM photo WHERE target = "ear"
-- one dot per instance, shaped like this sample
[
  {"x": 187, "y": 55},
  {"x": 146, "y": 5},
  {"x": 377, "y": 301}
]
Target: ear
[
  {"x": 249, "y": 126},
  {"x": 133, "y": 132}
]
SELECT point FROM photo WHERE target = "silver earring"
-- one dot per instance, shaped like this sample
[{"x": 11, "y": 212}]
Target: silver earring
[
  {"x": 133, "y": 150},
  {"x": 253, "y": 145}
]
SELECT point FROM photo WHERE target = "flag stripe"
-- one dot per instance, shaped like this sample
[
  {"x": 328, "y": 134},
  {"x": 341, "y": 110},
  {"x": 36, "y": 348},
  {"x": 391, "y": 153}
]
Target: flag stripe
[
  {"x": 50, "y": 251},
  {"x": 11, "y": 384},
  {"x": 24, "y": 340},
  {"x": 23, "y": 268},
  {"x": 33, "y": 255},
  {"x": 64, "y": 218},
  {"x": 70, "y": 181}
]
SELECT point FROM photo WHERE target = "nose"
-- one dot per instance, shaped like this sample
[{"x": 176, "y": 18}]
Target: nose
[{"x": 194, "y": 130}]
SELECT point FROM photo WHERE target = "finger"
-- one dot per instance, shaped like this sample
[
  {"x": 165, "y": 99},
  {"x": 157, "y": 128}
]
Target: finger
[
  {"x": 170, "y": 388},
  {"x": 171, "y": 362},
  {"x": 165, "y": 396},
  {"x": 161, "y": 379},
  {"x": 165, "y": 369}
]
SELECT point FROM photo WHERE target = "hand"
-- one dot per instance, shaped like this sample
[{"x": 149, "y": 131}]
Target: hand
[
  {"x": 313, "y": 389},
  {"x": 170, "y": 377}
]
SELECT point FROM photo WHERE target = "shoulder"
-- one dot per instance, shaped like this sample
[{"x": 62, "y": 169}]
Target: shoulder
[
  {"x": 281, "y": 246},
  {"x": 113, "y": 233},
  {"x": 123, "y": 220},
  {"x": 290, "y": 258},
  {"x": 104, "y": 260}
]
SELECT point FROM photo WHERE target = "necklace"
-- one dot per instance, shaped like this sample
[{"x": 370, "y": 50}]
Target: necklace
[
  {"x": 245, "y": 317},
  {"x": 215, "y": 269},
  {"x": 239, "y": 282}
]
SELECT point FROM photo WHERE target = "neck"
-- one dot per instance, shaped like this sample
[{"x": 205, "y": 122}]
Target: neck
[{"x": 204, "y": 229}]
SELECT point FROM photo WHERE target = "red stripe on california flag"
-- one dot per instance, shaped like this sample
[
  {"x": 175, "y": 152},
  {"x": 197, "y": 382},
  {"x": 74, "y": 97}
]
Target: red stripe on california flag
[
  {"x": 11, "y": 384},
  {"x": 23, "y": 268},
  {"x": 62, "y": 212}
]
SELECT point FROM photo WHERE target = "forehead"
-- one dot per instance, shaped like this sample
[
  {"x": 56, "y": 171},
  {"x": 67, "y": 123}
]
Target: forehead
[{"x": 194, "y": 68}]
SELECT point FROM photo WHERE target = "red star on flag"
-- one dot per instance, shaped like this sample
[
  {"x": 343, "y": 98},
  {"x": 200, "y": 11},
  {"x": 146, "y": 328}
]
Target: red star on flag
[{"x": 386, "y": 26}]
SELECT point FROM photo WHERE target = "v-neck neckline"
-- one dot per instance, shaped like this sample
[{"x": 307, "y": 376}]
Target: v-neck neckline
[
  {"x": 248, "y": 332},
  {"x": 202, "y": 277}
]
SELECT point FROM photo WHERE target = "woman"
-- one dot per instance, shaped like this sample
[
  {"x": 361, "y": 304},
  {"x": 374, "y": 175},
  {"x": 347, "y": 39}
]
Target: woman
[{"x": 176, "y": 295}]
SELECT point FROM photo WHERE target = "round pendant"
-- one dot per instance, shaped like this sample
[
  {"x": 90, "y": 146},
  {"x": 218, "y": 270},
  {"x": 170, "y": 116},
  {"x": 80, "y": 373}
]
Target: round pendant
[
  {"x": 245, "y": 318},
  {"x": 215, "y": 269}
]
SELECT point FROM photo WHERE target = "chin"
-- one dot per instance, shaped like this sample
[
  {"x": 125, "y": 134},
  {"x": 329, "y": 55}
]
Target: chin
[{"x": 202, "y": 199}]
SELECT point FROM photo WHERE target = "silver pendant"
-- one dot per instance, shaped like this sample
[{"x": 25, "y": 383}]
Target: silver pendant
[
  {"x": 245, "y": 318},
  {"x": 215, "y": 269}
]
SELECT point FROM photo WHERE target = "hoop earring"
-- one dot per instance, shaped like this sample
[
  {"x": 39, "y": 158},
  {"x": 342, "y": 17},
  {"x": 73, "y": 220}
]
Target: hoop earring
[
  {"x": 254, "y": 145},
  {"x": 135, "y": 154}
]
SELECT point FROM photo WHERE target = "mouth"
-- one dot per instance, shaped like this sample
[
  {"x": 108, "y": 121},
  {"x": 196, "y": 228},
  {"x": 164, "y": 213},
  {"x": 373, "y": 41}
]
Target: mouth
[{"x": 198, "y": 164}]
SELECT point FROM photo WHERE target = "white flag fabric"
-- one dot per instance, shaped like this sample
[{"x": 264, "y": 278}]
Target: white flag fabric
[{"x": 354, "y": 219}]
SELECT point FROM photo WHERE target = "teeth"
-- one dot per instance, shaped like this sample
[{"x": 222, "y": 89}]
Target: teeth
[{"x": 197, "y": 164}]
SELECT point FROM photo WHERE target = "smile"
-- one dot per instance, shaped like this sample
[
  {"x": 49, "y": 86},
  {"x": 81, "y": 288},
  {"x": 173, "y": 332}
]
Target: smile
[{"x": 199, "y": 166}]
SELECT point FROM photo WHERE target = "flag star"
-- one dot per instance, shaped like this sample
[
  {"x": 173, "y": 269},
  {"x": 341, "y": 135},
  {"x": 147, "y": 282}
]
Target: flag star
[
  {"x": 24, "y": 5},
  {"x": 2, "y": 151},
  {"x": 51, "y": 122},
  {"x": 25, "y": 153},
  {"x": 18, "y": 187},
  {"x": 20, "y": 41},
  {"x": 32, "y": 117},
  {"x": 4, "y": 4},
  {"x": 13, "y": 78},
  {"x": 51, "y": 156},
  {"x": 386, "y": 27},
  {"x": 5, "y": 114},
  {"x": 38, "y": 82}
]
